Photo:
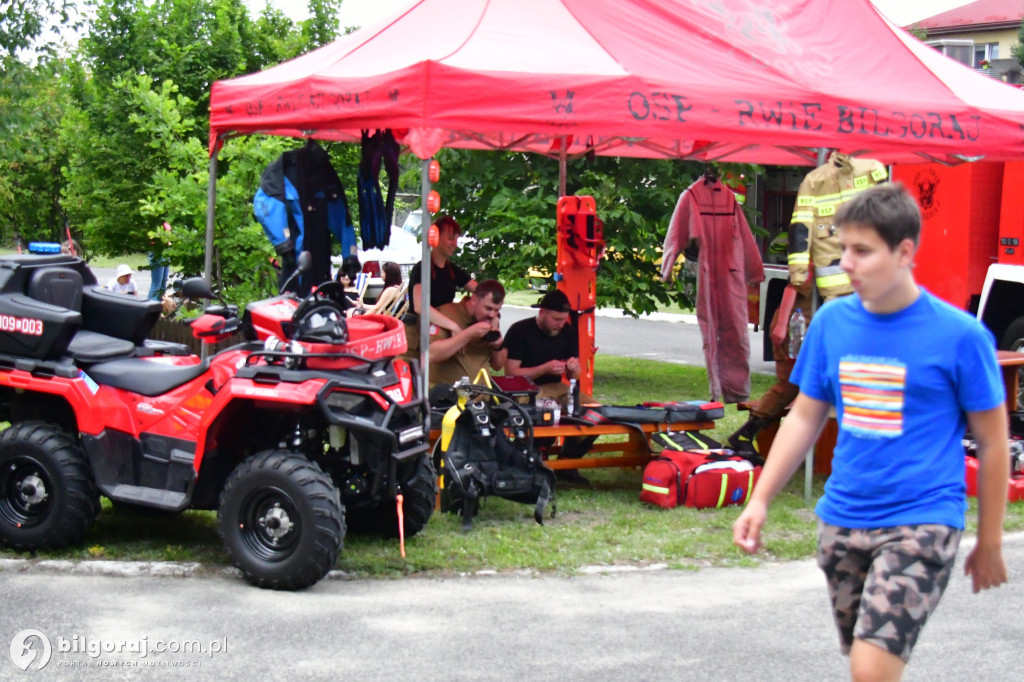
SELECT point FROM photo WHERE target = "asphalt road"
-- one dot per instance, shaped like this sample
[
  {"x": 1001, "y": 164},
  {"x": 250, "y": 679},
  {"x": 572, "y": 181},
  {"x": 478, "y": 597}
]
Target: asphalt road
[{"x": 769, "y": 624}]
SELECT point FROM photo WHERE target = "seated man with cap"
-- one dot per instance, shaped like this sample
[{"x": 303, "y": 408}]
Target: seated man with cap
[
  {"x": 478, "y": 342},
  {"x": 546, "y": 349}
]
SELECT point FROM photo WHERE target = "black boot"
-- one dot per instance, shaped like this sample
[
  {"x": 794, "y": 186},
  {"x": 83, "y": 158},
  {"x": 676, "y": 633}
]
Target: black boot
[
  {"x": 572, "y": 477},
  {"x": 742, "y": 441}
]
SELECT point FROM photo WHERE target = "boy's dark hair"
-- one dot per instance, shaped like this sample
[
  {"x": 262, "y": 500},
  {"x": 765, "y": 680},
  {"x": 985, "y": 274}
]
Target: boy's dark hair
[
  {"x": 446, "y": 222},
  {"x": 491, "y": 287},
  {"x": 889, "y": 209}
]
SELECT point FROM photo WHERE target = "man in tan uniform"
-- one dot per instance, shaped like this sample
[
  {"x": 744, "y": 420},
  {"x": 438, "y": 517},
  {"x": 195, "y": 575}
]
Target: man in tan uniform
[{"x": 478, "y": 342}]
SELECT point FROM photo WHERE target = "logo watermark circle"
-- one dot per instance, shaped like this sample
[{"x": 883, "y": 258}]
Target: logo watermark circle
[{"x": 25, "y": 649}]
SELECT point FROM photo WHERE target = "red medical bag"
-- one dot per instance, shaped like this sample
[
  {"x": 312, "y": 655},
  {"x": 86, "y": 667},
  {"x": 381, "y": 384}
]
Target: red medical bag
[
  {"x": 700, "y": 479},
  {"x": 1014, "y": 492}
]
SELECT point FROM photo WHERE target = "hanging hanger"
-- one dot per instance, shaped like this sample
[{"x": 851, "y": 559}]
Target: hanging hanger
[{"x": 710, "y": 174}]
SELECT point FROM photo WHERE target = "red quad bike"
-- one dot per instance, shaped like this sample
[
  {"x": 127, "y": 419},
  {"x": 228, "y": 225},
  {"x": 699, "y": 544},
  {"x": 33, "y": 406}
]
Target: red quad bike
[{"x": 310, "y": 421}]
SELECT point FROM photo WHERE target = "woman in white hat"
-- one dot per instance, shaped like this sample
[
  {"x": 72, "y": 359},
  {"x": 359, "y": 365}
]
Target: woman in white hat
[{"x": 123, "y": 282}]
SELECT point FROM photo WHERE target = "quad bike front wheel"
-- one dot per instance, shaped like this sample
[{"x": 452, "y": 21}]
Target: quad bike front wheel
[
  {"x": 418, "y": 483},
  {"x": 47, "y": 496},
  {"x": 282, "y": 521}
]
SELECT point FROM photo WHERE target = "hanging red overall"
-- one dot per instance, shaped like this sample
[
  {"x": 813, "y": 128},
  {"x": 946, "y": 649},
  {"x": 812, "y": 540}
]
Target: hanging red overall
[{"x": 708, "y": 213}]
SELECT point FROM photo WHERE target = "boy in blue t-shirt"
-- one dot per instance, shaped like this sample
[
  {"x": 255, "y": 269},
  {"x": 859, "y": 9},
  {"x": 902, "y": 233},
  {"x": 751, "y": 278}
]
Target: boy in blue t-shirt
[{"x": 906, "y": 374}]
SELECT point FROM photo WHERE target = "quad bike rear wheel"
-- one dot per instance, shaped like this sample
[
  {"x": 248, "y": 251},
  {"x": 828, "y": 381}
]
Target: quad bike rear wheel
[
  {"x": 48, "y": 498},
  {"x": 419, "y": 493},
  {"x": 282, "y": 521}
]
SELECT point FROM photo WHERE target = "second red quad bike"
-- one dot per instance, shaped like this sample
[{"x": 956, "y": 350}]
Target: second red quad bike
[{"x": 310, "y": 423}]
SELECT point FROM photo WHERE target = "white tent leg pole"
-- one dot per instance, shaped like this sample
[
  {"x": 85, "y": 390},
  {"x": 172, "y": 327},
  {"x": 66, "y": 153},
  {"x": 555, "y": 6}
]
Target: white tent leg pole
[
  {"x": 425, "y": 268},
  {"x": 211, "y": 205},
  {"x": 211, "y": 208}
]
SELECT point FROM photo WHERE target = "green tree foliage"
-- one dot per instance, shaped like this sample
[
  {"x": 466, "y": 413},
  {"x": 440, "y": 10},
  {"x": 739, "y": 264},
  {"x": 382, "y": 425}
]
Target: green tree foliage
[
  {"x": 24, "y": 22},
  {"x": 177, "y": 194},
  {"x": 1017, "y": 49},
  {"x": 180, "y": 47},
  {"x": 29, "y": 107},
  {"x": 112, "y": 160},
  {"x": 32, "y": 154},
  {"x": 322, "y": 26}
]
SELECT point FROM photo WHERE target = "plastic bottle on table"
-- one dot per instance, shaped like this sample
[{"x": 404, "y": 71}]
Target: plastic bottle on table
[
  {"x": 797, "y": 327},
  {"x": 571, "y": 407}
]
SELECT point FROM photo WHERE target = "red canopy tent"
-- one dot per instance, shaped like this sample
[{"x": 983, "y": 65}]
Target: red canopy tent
[{"x": 765, "y": 81}]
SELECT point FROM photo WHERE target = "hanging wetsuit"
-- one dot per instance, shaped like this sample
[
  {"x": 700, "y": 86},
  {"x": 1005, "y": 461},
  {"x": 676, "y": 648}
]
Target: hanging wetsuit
[
  {"x": 374, "y": 216},
  {"x": 708, "y": 213},
  {"x": 300, "y": 204}
]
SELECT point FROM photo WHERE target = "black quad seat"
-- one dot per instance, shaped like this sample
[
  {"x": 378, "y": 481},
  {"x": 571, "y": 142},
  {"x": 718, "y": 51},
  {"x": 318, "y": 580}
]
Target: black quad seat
[
  {"x": 89, "y": 347},
  {"x": 145, "y": 377},
  {"x": 56, "y": 309}
]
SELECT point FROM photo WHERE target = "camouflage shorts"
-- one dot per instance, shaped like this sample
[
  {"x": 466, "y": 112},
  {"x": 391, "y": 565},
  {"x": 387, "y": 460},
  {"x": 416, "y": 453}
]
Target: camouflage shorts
[{"x": 885, "y": 582}]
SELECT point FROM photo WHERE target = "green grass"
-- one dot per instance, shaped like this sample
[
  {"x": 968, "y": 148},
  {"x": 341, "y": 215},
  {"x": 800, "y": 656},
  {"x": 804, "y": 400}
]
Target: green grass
[
  {"x": 605, "y": 525},
  {"x": 135, "y": 260}
]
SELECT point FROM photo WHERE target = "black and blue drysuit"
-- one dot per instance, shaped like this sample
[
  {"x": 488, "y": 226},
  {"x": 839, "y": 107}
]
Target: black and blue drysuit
[{"x": 300, "y": 204}]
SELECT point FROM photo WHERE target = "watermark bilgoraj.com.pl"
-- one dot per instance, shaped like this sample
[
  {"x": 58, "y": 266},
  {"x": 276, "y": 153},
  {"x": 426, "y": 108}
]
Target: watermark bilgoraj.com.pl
[{"x": 33, "y": 648}]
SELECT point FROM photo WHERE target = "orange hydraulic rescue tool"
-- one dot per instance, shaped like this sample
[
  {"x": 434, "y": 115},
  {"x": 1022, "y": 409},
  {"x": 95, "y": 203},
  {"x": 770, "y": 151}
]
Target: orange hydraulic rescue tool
[{"x": 580, "y": 248}]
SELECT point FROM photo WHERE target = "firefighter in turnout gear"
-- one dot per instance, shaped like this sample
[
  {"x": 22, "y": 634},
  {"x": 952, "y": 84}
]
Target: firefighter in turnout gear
[
  {"x": 814, "y": 251},
  {"x": 812, "y": 234}
]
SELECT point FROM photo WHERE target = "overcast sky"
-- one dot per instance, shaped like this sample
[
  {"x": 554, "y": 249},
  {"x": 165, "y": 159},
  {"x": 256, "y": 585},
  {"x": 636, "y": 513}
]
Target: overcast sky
[{"x": 362, "y": 12}]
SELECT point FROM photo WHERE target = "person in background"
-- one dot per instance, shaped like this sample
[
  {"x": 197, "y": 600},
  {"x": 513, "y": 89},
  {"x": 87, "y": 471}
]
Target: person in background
[
  {"x": 446, "y": 278},
  {"x": 347, "y": 273},
  {"x": 545, "y": 349},
  {"x": 122, "y": 282},
  {"x": 477, "y": 344},
  {"x": 392, "y": 275},
  {"x": 892, "y": 514},
  {"x": 392, "y": 289},
  {"x": 159, "y": 268}
]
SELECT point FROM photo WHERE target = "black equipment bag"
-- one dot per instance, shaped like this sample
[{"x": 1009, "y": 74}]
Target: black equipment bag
[
  {"x": 491, "y": 452},
  {"x": 657, "y": 413},
  {"x": 683, "y": 440}
]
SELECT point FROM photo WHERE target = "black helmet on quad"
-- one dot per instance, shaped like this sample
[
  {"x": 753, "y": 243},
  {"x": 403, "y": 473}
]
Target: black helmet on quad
[{"x": 322, "y": 323}]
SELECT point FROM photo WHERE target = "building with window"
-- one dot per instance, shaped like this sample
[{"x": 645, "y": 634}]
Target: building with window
[{"x": 979, "y": 34}]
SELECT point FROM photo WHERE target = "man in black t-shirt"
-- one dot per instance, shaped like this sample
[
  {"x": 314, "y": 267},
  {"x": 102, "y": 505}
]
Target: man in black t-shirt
[
  {"x": 446, "y": 278},
  {"x": 546, "y": 348}
]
